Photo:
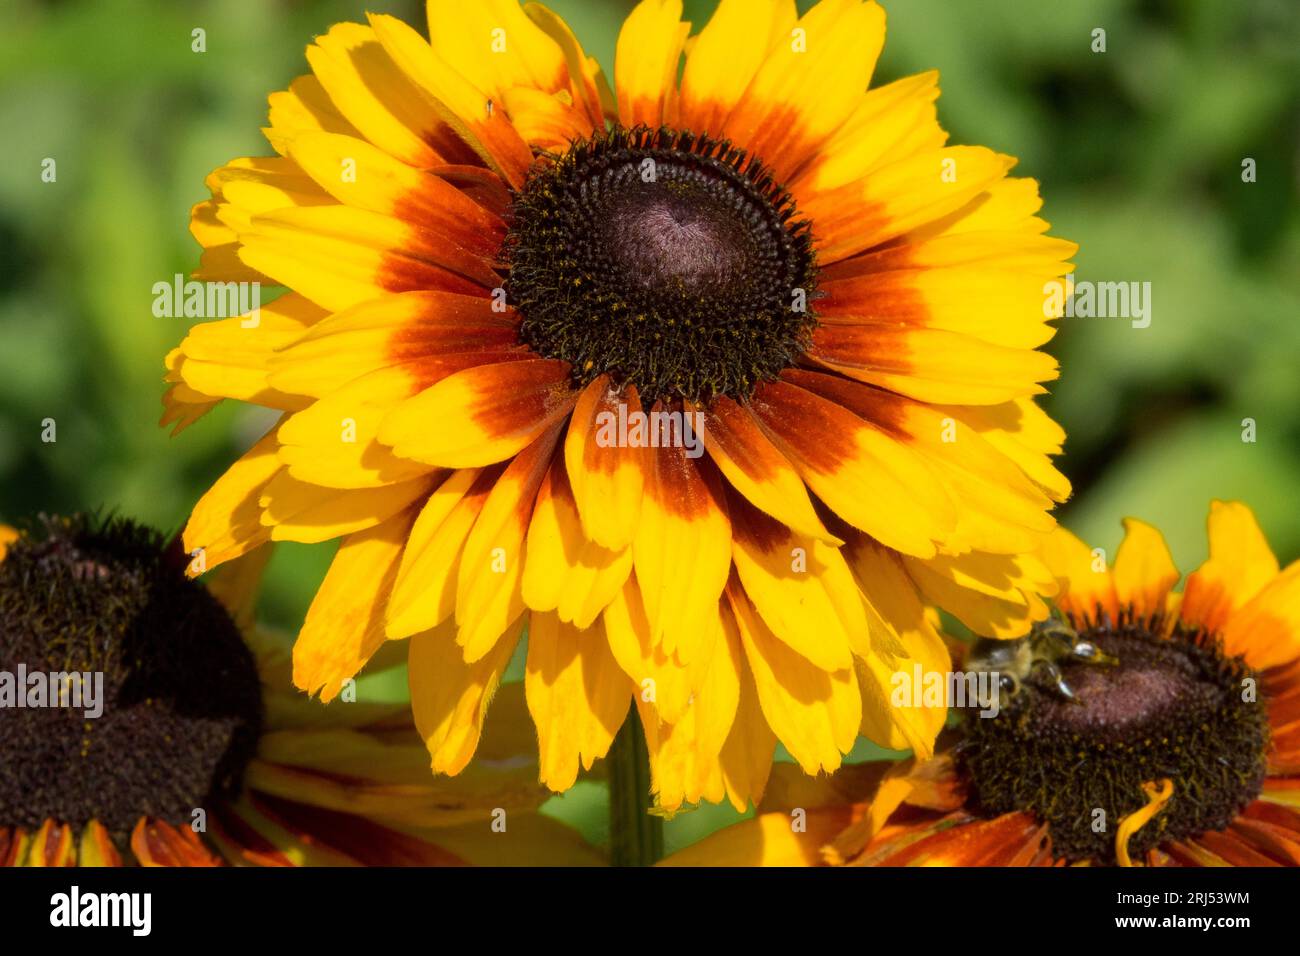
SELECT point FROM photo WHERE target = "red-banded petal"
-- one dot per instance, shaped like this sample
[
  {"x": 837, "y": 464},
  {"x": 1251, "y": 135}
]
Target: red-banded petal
[
  {"x": 481, "y": 415},
  {"x": 368, "y": 255},
  {"x": 607, "y": 478},
  {"x": 428, "y": 334},
  {"x": 863, "y": 471},
  {"x": 808, "y": 85},
  {"x": 646, "y": 62},
  {"x": 724, "y": 57},
  {"x": 682, "y": 550},
  {"x": 360, "y": 175},
  {"x": 757, "y": 469},
  {"x": 488, "y": 591},
  {"x": 376, "y": 95},
  {"x": 465, "y": 107}
]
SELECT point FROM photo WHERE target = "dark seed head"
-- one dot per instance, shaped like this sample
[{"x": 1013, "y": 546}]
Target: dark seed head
[
  {"x": 669, "y": 261},
  {"x": 181, "y": 702},
  {"x": 1174, "y": 707}
]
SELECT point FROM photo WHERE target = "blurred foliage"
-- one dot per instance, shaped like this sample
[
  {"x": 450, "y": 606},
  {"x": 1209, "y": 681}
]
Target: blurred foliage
[{"x": 1138, "y": 150}]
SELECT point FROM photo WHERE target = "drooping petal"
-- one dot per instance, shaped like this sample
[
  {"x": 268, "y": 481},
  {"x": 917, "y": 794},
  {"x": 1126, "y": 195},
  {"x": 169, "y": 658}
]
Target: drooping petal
[
  {"x": 345, "y": 623},
  {"x": 758, "y": 470},
  {"x": 682, "y": 550},
  {"x": 424, "y": 594},
  {"x": 564, "y": 571},
  {"x": 450, "y": 697},
  {"x": 489, "y": 580},
  {"x": 813, "y": 712},
  {"x": 577, "y": 696},
  {"x": 801, "y": 587}
]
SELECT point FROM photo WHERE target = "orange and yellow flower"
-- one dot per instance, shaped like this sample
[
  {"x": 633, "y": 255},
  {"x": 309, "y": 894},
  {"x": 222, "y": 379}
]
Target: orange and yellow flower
[
  {"x": 346, "y": 785},
  {"x": 483, "y": 268},
  {"x": 1238, "y": 608}
]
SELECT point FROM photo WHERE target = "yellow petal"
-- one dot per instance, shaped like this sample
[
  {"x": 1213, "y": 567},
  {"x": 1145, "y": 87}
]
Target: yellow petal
[
  {"x": 450, "y": 697},
  {"x": 488, "y": 581},
  {"x": 345, "y": 623},
  {"x": 332, "y": 442},
  {"x": 424, "y": 594},
  {"x": 577, "y": 695},
  {"x": 682, "y": 551},
  {"x": 659, "y": 679},
  {"x": 1144, "y": 569},
  {"x": 802, "y": 587},
  {"x": 607, "y": 479},
  {"x": 1240, "y": 564},
  {"x": 293, "y": 510},
  {"x": 1266, "y": 629},
  {"x": 563, "y": 570},
  {"x": 815, "y": 713},
  {"x": 226, "y": 522},
  {"x": 646, "y": 61}
]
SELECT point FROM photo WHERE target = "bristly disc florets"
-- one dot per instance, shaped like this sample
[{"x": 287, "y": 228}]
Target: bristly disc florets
[
  {"x": 1173, "y": 707},
  {"x": 180, "y": 706},
  {"x": 671, "y": 261}
]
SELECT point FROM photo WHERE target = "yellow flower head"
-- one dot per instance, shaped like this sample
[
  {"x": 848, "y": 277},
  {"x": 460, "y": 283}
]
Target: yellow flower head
[
  {"x": 146, "y": 721},
  {"x": 711, "y": 384},
  {"x": 1167, "y": 736}
]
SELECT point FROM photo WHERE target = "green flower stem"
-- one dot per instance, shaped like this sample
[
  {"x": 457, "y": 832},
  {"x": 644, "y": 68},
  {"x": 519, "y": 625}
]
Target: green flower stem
[{"x": 636, "y": 838}]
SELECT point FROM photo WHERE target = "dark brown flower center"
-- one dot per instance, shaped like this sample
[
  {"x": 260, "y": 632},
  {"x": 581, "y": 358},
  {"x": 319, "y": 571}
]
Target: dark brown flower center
[
  {"x": 669, "y": 261},
  {"x": 1173, "y": 708},
  {"x": 126, "y": 690}
]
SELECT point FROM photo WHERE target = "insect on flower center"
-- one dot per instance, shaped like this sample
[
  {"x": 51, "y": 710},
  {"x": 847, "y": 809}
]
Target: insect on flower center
[
  {"x": 669, "y": 261},
  {"x": 127, "y": 690},
  {"x": 1073, "y": 746}
]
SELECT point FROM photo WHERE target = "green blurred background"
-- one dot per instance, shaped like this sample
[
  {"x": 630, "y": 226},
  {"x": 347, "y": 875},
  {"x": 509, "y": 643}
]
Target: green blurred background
[{"x": 1138, "y": 150}]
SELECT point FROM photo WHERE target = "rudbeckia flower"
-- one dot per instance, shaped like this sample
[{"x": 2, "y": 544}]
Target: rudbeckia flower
[
  {"x": 1177, "y": 745},
  {"x": 712, "y": 382},
  {"x": 146, "y": 721}
]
